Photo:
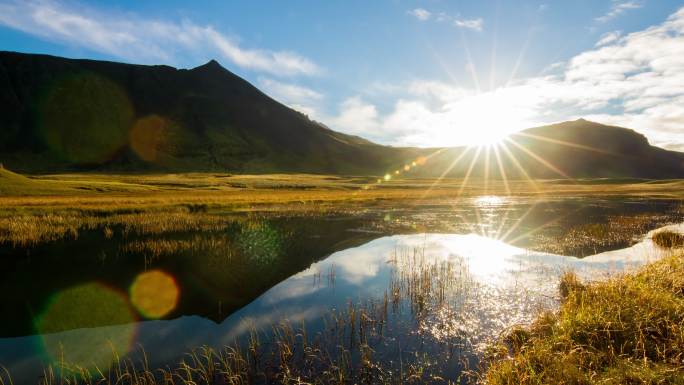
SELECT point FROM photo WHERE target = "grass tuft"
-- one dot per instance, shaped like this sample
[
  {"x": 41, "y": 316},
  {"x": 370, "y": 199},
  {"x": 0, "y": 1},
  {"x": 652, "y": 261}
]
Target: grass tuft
[
  {"x": 569, "y": 283},
  {"x": 668, "y": 239},
  {"x": 628, "y": 330}
]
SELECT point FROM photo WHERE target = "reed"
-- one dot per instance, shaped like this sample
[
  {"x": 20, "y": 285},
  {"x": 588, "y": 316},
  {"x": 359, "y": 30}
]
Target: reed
[
  {"x": 389, "y": 340},
  {"x": 668, "y": 239}
]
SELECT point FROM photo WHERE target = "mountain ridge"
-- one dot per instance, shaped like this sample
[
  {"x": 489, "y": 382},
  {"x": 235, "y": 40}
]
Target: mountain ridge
[{"x": 59, "y": 114}]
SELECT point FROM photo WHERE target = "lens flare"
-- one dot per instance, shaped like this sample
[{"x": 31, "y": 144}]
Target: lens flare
[
  {"x": 74, "y": 326},
  {"x": 75, "y": 124},
  {"x": 260, "y": 242},
  {"x": 154, "y": 293},
  {"x": 146, "y": 135}
]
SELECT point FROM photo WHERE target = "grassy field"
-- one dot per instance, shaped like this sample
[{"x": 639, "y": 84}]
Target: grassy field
[
  {"x": 626, "y": 330},
  {"x": 36, "y": 209},
  {"x": 247, "y": 191}
]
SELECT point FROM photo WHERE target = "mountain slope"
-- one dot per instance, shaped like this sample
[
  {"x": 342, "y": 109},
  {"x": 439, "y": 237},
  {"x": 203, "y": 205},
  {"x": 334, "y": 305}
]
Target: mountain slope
[{"x": 59, "y": 114}]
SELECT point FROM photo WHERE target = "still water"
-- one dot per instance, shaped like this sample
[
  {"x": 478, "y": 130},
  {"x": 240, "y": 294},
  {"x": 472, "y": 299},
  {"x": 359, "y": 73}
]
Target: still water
[{"x": 491, "y": 269}]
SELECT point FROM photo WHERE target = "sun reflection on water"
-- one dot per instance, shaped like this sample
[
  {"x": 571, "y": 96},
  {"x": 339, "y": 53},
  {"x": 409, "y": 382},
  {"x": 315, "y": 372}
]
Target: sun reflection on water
[{"x": 489, "y": 200}]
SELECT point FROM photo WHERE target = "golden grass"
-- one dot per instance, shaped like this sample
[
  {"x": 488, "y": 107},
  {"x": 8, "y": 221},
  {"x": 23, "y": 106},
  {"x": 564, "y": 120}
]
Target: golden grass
[
  {"x": 244, "y": 190},
  {"x": 25, "y": 230},
  {"x": 628, "y": 330},
  {"x": 668, "y": 239},
  {"x": 625, "y": 330},
  {"x": 46, "y": 208}
]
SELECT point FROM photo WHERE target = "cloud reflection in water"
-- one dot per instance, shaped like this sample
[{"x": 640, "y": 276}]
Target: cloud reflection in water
[{"x": 495, "y": 286}]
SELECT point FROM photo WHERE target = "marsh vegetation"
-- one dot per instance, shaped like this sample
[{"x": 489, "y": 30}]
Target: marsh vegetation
[
  {"x": 668, "y": 239},
  {"x": 627, "y": 330},
  {"x": 222, "y": 257}
]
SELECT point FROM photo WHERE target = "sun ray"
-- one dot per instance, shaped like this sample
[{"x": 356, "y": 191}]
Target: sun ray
[
  {"x": 446, "y": 171},
  {"x": 471, "y": 65},
  {"x": 502, "y": 172},
  {"x": 518, "y": 221},
  {"x": 486, "y": 169},
  {"x": 479, "y": 221},
  {"x": 519, "y": 166},
  {"x": 466, "y": 224},
  {"x": 464, "y": 182},
  {"x": 519, "y": 60},
  {"x": 563, "y": 143},
  {"x": 523, "y": 51},
  {"x": 543, "y": 226},
  {"x": 470, "y": 169},
  {"x": 502, "y": 224},
  {"x": 539, "y": 159},
  {"x": 495, "y": 35},
  {"x": 443, "y": 64}
]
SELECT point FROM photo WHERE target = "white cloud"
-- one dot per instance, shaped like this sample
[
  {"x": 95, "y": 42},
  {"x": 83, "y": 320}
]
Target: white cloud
[
  {"x": 442, "y": 17},
  {"x": 434, "y": 114},
  {"x": 636, "y": 81},
  {"x": 618, "y": 8},
  {"x": 474, "y": 24},
  {"x": 437, "y": 93},
  {"x": 300, "y": 98},
  {"x": 150, "y": 41},
  {"x": 425, "y": 15},
  {"x": 289, "y": 92},
  {"x": 357, "y": 117},
  {"x": 420, "y": 14},
  {"x": 608, "y": 37}
]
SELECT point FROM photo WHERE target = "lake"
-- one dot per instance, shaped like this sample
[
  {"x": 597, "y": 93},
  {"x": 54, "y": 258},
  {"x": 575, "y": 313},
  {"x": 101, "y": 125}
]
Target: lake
[{"x": 421, "y": 286}]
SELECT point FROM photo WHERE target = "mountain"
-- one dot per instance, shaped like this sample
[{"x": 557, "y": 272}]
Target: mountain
[
  {"x": 582, "y": 148},
  {"x": 59, "y": 114},
  {"x": 65, "y": 114},
  {"x": 573, "y": 149}
]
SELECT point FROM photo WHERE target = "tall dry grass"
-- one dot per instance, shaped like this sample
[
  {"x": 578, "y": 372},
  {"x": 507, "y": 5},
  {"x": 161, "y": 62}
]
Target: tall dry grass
[{"x": 628, "y": 330}]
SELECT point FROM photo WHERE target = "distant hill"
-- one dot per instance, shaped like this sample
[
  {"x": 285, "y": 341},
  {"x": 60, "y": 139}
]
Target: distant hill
[
  {"x": 582, "y": 148},
  {"x": 59, "y": 114},
  {"x": 575, "y": 149}
]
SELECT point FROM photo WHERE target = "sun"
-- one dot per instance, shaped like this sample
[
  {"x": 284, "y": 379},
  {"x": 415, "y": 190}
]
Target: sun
[{"x": 486, "y": 119}]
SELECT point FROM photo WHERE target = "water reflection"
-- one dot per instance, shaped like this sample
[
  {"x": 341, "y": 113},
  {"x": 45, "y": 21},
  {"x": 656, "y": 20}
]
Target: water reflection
[{"x": 462, "y": 289}]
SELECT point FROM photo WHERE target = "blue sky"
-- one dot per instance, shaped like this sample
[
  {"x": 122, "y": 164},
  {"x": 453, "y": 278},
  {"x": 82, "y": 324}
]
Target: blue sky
[{"x": 400, "y": 72}]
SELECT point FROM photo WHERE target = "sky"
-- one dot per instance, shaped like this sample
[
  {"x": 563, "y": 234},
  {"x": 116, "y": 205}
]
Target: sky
[{"x": 400, "y": 72}]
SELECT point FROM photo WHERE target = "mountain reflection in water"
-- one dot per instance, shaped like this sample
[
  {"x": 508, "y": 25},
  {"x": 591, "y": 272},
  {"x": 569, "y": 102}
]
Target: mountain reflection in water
[{"x": 493, "y": 286}]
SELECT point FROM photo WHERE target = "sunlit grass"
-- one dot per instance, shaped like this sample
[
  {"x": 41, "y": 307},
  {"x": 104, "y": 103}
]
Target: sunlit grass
[
  {"x": 31, "y": 229},
  {"x": 628, "y": 330}
]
